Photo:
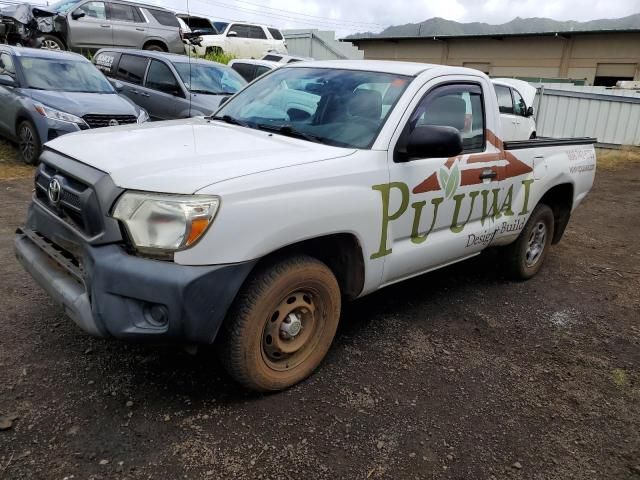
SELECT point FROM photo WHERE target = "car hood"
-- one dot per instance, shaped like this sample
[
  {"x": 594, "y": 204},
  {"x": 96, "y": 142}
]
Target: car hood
[
  {"x": 184, "y": 156},
  {"x": 206, "y": 104},
  {"x": 78, "y": 103}
]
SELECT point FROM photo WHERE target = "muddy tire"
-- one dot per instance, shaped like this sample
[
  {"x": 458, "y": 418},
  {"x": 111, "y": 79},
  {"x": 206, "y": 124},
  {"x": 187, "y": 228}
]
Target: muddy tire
[
  {"x": 281, "y": 325},
  {"x": 51, "y": 42},
  {"x": 29, "y": 144},
  {"x": 525, "y": 256}
]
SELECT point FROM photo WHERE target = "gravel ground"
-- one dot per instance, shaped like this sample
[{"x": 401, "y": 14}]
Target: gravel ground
[{"x": 457, "y": 374}]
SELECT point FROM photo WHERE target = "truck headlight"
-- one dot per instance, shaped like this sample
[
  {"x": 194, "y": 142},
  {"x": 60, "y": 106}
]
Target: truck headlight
[
  {"x": 158, "y": 222},
  {"x": 54, "y": 114}
]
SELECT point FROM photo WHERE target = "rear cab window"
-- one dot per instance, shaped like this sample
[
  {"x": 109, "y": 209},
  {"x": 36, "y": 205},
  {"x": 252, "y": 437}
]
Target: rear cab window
[{"x": 132, "y": 68}]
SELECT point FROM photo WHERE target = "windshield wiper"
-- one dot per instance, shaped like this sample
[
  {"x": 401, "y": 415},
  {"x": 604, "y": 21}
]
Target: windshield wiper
[
  {"x": 289, "y": 131},
  {"x": 231, "y": 120}
]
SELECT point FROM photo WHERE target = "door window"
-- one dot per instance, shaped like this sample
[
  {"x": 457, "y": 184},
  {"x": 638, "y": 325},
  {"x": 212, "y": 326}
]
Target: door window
[
  {"x": 275, "y": 33},
  {"x": 6, "y": 65},
  {"x": 519, "y": 107},
  {"x": 161, "y": 78},
  {"x": 261, "y": 70},
  {"x": 505, "y": 102},
  {"x": 458, "y": 106},
  {"x": 93, "y": 10},
  {"x": 123, "y": 13},
  {"x": 257, "y": 33},
  {"x": 242, "y": 31},
  {"x": 131, "y": 69}
]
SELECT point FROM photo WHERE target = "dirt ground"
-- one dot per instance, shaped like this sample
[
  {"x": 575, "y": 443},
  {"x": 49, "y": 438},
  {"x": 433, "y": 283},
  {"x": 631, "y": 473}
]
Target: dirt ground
[{"x": 457, "y": 374}]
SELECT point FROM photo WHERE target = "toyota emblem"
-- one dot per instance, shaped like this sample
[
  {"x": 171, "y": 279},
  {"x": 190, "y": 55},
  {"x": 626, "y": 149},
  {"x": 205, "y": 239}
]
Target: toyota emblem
[
  {"x": 54, "y": 190},
  {"x": 113, "y": 122}
]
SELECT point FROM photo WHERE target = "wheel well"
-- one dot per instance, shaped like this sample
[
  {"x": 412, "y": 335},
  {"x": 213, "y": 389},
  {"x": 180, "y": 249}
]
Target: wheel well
[
  {"x": 21, "y": 118},
  {"x": 157, "y": 43},
  {"x": 341, "y": 252},
  {"x": 560, "y": 200}
]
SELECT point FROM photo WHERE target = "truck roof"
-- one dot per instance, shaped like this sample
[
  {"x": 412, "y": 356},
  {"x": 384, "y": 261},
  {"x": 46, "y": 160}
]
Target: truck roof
[{"x": 385, "y": 66}]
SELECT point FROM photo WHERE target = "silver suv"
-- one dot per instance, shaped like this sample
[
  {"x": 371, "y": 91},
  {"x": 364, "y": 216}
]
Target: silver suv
[{"x": 93, "y": 24}]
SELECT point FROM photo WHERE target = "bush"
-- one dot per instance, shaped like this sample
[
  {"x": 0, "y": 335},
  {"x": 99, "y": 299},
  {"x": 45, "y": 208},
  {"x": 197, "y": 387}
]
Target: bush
[{"x": 219, "y": 57}]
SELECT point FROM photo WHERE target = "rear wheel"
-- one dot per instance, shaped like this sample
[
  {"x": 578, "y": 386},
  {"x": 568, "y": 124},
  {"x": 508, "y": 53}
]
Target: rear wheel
[
  {"x": 51, "y": 42},
  {"x": 525, "y": 256},
  {"x": 154, "y": 47},
  {"x": 28, "y": 143},
  {"x": 282, "y": 324}
]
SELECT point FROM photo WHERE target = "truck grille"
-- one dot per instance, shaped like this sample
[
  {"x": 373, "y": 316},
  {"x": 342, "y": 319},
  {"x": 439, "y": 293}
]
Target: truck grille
[
  {"x": 75, "y": 203},
  {"x": 98, "y": 121}
]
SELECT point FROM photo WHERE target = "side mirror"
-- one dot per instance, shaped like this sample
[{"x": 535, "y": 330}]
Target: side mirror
[
  {"x": 529, "y": 112},
  {"x": 8, "y": 81},
  {"x": 232, "y": 34},
  {"x": 77, "y": 14},
  {"x": 431, "y": 141}
]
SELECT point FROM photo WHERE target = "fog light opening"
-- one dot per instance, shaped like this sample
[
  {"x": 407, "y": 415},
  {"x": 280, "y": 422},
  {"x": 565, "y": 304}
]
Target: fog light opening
[{"x": 156, "y": 315}]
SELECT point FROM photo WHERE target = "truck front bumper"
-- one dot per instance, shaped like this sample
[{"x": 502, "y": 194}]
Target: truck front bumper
[{"x": 109, "y": 293}]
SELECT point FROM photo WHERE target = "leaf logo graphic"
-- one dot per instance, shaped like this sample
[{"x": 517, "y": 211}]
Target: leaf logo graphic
[{"x": 449, "y": 181}]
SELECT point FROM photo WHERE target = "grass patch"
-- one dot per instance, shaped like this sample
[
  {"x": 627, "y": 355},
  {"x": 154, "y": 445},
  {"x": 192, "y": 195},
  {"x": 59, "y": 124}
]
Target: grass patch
[
  {"x": 613, "y": 159},
  {"x": 10, "y": 166},
  {"x": 219, "y": 57}
]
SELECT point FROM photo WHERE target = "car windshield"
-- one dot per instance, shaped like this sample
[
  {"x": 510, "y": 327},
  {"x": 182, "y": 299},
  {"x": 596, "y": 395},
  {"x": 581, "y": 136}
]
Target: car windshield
[
  {"x": 63, "y": 75},
  {"x": 63, "y": 6},
  {"x": 220, "y": 26},
  {"x": 335, "y": 107},
  {"x": 199, "y": 78}
]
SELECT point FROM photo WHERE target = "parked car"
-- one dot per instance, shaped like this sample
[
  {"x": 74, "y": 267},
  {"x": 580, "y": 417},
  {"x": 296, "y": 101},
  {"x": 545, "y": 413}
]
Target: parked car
[
  {"x": 197, "y": 25},
  {"x": 250, "y": 69},
  {"x": 169, "y": 86},
  {"x": 515, "y": 101},
  {"x": 47, "y": 94},
  {"x": 93, "y": 24},
  {"x": 242, "y": 40},
  {"x": 253, "y": 225}
]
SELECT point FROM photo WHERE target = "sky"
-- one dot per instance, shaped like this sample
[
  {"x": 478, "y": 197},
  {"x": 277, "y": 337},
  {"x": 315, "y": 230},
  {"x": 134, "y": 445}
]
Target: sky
[{"x": 351, "y": 16}]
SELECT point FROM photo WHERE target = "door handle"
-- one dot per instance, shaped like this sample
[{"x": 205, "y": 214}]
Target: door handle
[
  {"x": 134, "y": 91},
  {"x": 140, "y": 29},
  {"x": 488, "y": 174},
  {"x": 144, "y": 94},
  {"x": 105, "y": 26}
]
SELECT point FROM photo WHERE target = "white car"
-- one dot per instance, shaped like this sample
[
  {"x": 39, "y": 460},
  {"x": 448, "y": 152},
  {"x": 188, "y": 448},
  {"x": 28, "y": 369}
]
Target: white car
[
  {"x": 242, "y": 40},
  {"x": 319, "y": 182},
  {"x": 250, "y": 69},
  {"x": 515, "y": 102}
]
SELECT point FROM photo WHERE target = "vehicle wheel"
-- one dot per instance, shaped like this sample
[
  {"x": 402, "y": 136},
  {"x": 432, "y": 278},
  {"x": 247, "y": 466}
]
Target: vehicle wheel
[
  {"x": 51, "y": 42},
  {"x": 154, "y": 47},
  {"x": 525, "y": 256},
  {"x": 28, "y": 143},
  {"x": 282, "y": 324}
]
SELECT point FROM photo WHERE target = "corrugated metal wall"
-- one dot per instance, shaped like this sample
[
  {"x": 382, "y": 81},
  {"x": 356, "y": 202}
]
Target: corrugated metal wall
[
  {"x": 319, "y": 45},
  {"x": 610, "y": 115}
]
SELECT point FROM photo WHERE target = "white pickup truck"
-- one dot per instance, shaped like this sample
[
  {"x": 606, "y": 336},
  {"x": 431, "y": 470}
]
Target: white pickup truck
[{"x": 319, "y": 182}]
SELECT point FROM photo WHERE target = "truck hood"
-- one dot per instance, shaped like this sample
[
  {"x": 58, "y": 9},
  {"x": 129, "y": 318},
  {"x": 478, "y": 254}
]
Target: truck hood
[
  {"x": 184, "y": 156},
  {"x": 80, "y": 103}
]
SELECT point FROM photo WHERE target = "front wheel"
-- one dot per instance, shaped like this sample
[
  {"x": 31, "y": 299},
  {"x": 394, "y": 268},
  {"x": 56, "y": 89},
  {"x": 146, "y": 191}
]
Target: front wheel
[
  {"x": 525, "y": 256},
  {"x": 282, "y": 324},
  {"x": 28, "y": 143},
  {"x": 51, "y": 42}
]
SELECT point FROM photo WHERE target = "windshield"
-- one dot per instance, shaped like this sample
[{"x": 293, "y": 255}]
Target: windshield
[
  {"x": 211, "y": 79},
  {"x": 335, "y": 107},
  {"x": 63, "y": 75},
  {"x": 63, "y": 6},
  {"x": 220, "y": 26}
]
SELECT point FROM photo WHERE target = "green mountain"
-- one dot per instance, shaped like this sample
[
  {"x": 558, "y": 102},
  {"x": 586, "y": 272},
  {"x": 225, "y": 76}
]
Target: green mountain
[{"x": 440, "y": 27}]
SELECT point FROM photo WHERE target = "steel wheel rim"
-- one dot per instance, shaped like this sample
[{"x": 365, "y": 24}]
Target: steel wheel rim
[
  {"x": 50, "y": 45},
  {"x": 536, "y": 244},
  {"x": 283, "y": 351},
  {"x": 27, "y": 144}
]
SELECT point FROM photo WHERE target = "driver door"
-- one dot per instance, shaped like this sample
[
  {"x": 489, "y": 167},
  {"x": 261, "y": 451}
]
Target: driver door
[
  {"x": 434, "y": 205},
  {"x": 92, "y": 29}
]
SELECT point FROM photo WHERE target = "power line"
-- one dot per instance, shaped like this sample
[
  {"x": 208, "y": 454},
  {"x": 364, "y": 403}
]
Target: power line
[{"x": 324, "y": 23}]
